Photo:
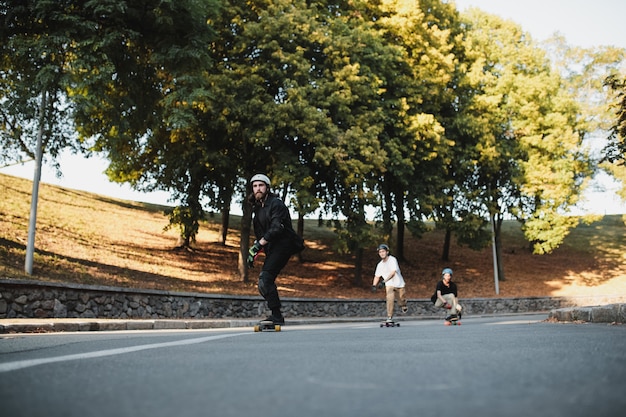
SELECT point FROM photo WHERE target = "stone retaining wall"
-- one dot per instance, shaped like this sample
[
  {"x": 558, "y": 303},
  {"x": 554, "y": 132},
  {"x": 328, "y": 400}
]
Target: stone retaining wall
[
  {"x": 33, "y": 299},
  {"x": 612, "y": 313}
]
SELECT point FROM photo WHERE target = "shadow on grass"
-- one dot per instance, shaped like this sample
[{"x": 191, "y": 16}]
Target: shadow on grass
[
  {"x": 50, "y": 266},
  {"x": 206, "y": 260}
]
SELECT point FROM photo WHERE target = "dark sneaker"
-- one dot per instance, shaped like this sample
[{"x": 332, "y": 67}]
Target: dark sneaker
[
  {"x": 451, "y": 317},
  {"x": 275, "y": 319}
]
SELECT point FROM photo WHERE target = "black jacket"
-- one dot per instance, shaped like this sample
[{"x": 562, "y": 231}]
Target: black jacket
[{"x": 273, "y": 222}]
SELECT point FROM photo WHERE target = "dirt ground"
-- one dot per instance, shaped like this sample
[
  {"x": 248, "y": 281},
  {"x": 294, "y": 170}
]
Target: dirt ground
[
  {"x": 526, "y": 275},
  {"x": 321, "y": 273},
  {"x": 89, "y": 239}
]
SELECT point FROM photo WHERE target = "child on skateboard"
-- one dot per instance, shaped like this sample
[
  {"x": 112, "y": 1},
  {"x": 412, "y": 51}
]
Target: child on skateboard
[
  {"x": 446, "y": 294},
  {"x": 388, "y": 274}
]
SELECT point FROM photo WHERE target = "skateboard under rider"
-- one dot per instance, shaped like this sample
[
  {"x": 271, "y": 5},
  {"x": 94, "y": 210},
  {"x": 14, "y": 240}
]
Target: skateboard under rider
[
  {"x": 387, "y": 323},
  {"x": 265, "y": 325}
]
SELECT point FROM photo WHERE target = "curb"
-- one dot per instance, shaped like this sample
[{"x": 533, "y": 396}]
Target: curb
[
  {"x": 92, "y": 325},
  {"x": 612, "y": 313}
]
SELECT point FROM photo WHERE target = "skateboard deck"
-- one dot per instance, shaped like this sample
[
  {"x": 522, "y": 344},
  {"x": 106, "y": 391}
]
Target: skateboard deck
[
  {"x": 452, "y": 322},
  {"x": 389, "y": 324},
  {"x": 265, "y": 325}
]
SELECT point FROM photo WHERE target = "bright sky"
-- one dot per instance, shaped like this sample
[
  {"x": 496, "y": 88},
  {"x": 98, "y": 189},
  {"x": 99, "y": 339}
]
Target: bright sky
[{"x": 583, "y": 23}]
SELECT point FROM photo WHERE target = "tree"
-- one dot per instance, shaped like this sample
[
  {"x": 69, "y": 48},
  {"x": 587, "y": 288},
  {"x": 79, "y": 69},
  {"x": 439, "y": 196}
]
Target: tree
[
  {"x": 303, "y": 104},
  {"x": 412, "y": 137},
  {"x": 529, "y": 159},
  {"x": 36, "y": 45},
  {"x": 140, "y": 104},
  {"x": 431, "y": 34},
  {"x": 259, "y": 109},
  {"x": 37, "y": 49},
  {"x": 126, "y": 70},
  {"x": 615, "y": 151},
  {"x": 586, "y": 71}
]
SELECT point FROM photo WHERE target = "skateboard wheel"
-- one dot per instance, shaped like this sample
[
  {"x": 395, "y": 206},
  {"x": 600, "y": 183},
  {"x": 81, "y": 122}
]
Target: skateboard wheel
[
  {"x": 398, "y": 324},
  {"x": 277, "y": 328},
  {"x": 257, "y": 328},
  {"x": 447, "y": 323}
]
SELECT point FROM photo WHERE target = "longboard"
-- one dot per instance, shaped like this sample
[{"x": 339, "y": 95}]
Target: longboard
[
  {"x": 265, "y": 325},
  {"x": 389, "y": 324},
  {"x": 452, "y": 322}
]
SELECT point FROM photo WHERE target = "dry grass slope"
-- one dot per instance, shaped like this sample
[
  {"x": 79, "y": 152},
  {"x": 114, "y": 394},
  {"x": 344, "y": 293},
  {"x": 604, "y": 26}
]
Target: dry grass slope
[{"x": 91, "y": 239}]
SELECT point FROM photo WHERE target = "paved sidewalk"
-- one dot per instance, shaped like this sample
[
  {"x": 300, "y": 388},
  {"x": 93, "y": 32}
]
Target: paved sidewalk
[{"x": 95, "y": 324}]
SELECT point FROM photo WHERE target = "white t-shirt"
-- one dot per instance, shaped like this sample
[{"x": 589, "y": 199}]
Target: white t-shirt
[{"x": 386, "y": 267}]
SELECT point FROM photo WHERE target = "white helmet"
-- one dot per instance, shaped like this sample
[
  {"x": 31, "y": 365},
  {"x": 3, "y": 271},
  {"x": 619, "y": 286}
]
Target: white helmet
[{"x": 260, "y": 177}]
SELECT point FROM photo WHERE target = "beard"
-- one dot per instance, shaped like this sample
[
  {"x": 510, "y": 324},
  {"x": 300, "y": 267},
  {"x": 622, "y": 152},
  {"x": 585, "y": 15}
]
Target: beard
[{"x": 260, "y": 195}]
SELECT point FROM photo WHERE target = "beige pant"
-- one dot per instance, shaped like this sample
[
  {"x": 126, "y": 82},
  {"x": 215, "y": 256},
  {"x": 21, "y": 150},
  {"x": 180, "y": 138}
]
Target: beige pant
[
  {"x": 450, "y": 299},
  {"x": 392, "y": 294}
]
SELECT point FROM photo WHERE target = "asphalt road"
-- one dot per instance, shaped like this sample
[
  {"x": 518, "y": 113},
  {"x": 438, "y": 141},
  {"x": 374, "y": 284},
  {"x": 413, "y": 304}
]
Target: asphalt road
[{"x": 513, "y": 366}]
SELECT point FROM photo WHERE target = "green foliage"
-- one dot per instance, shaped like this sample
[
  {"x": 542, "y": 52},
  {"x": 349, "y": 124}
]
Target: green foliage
[
  {"x": 472, "y": 231},
  {"x": 615, "y": 151},
  {"x": 529, "y": 151},
  {"x": 405, "y": 106},
  {"x": 548, "y": 230},
  {"x": 185, "y": 219},
  {"x": 36, "y": 49}
]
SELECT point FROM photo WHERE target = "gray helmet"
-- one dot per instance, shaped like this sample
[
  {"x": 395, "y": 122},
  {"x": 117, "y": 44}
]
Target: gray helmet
[
  {"x": 260, "y": 177},
  {"x": 382, "y": 246},
  {"x": 446, "y": 271}
]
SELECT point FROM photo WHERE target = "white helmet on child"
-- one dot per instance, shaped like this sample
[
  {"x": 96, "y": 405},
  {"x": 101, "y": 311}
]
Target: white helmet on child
[{"x": 260, "y": 177}]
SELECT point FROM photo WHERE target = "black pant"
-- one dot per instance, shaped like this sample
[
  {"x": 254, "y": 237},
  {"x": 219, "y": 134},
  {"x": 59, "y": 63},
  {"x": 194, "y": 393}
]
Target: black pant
[{"x": 276, "y": 258}]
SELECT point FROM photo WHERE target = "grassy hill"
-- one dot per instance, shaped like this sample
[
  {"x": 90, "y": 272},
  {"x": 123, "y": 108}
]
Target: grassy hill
[{"x": 91, "y": 239}]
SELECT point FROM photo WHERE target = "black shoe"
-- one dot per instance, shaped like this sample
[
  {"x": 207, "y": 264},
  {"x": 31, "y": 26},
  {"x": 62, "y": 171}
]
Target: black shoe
[
  {"x": 451, "y": 317},
  {"x": 275, "y": 319}
]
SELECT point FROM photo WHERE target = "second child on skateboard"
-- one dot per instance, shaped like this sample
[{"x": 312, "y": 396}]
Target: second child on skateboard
[
  {"x": 388, "y": 274},
  {"x": 445, "y": 296}
]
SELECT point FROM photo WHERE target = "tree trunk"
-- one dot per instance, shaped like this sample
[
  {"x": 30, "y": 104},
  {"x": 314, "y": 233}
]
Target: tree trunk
[
  {"x": 224, "y": 225},
  {"x": 400, "y": 228},
  {"x": 387, "y": 218},
  {"x": 445, "y": 255},
  {"x": 226, "y": 198},
  {"x": 300, "y": 231},
  {"x": 358, "y": 267},
  {"x": 191, "y": 219},
  {"x": 244, "y": 243},
  {"x": 498, "y": 239}
]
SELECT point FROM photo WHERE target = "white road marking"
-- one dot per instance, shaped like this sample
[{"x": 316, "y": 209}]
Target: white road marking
[{"x": 13, "y": 366}]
